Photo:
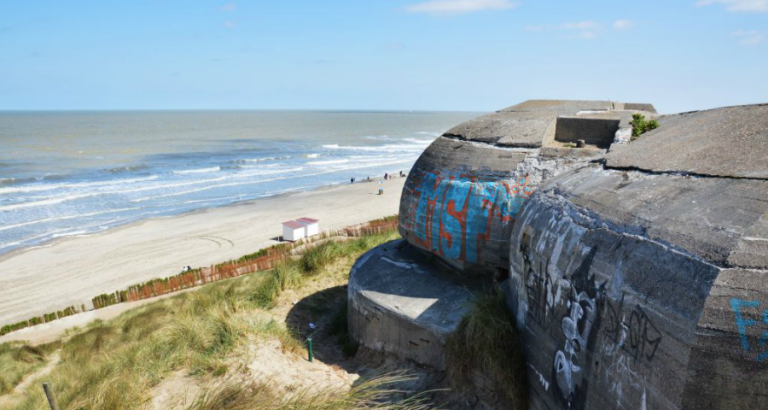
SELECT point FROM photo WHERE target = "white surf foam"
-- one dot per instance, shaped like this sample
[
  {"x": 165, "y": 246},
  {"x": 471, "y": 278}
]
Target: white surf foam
[{"x": 197, "y": 171}]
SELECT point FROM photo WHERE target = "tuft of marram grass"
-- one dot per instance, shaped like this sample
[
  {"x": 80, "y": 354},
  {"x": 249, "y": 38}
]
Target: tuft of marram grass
[
  {"x": 18, "y": 359},
  {"x": 486, "y": 341},
  {"x": 375, "y": 393}
]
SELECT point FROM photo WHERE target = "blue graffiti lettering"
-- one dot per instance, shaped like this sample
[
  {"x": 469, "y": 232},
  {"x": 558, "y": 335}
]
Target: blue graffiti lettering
[{"x": 737, "y": 305}]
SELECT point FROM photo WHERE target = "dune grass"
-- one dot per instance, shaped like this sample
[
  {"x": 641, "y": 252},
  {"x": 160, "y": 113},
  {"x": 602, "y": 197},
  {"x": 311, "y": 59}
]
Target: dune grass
[
  {"x": 115, "y": 364},
  {"x": 375, "y": 393},
  {"x": 486, "y": 342},
  {"x": 18, "y": 359}
]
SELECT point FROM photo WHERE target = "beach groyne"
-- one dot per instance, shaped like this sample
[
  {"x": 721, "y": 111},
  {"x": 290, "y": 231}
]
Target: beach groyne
[{"x": 634, "y": 270}]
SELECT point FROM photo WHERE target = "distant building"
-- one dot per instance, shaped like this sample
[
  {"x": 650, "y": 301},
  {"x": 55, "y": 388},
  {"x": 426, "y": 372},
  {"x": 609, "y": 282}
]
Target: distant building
[
  {"x": 311, "y": 225},
  {"x": 293, "y": 230}
]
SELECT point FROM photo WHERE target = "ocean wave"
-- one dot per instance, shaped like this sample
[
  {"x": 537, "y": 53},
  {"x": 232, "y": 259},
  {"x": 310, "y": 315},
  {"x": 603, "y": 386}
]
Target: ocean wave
[
  {"x": 73, "y": 233},
  {"x": 331, "y": 162},
  {"x": 266, "y": 172},
  {"x": 313, "y": 155},
  {"x": 127, "y": 168},
  {"x": 48, "y": 187},
  {"x": 197, "y": 171},
  {"x": 62, "y": 218},
  {"x": 379, "y": 148},
  {"x": 262, "y": 159},
  {"x": 54, "y": 177},
  {"x": 231, "y": 184},
  {"x": 418, "y": 141},
  {"x": 378, "y": 137}
]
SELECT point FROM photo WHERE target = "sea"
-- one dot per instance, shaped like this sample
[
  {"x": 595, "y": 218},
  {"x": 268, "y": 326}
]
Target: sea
[{"x": 78, "y": 173}]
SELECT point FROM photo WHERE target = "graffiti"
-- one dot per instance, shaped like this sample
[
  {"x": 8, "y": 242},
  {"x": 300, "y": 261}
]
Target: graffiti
[
  {"x": 583, "y": 303},
  {"x": 637, "y": 336},
  {"x": 737, "y": 305},
  {"x": 539, "y": 287},
  {"x": 619, "y": 375},
  {"x": 542, "y": 380},
  {"x": 452, "y": 214}
]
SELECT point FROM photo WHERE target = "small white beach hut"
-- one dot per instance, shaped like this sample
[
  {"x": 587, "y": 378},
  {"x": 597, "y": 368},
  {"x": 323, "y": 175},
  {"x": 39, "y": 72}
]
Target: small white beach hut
[
  {"x": 311, "y": 225},
  {"x": 293, "y": 231}
]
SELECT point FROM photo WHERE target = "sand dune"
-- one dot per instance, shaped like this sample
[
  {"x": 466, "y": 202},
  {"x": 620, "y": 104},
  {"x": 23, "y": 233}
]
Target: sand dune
[{"x": 73, "y": 270}]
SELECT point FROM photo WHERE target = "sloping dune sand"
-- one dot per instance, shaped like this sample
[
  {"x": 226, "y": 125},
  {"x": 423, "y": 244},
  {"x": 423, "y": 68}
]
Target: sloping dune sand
[{"x": 73, "y": 270}]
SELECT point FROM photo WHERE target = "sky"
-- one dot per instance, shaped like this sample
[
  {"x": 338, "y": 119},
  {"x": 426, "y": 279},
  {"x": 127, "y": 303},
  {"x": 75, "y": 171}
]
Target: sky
[{"x": 462, "y": 55}]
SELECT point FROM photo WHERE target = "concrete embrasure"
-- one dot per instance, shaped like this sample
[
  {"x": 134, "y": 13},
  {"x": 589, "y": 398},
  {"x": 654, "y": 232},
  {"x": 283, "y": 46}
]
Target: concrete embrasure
[{"x": 402, "y": 304}]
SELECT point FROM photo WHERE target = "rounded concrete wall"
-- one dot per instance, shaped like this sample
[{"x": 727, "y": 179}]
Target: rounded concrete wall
[
  {"x": 641, "y": 283},
  {"x": 460, "y": 200}
]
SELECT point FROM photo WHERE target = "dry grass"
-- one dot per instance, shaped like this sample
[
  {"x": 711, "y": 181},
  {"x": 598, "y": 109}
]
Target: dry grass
[
  {"x": 374, "y": 393},
  {"x": 115, "y": 364},
  {"x": 17, "y": 360},
  {"x": 487, "y": 342}
]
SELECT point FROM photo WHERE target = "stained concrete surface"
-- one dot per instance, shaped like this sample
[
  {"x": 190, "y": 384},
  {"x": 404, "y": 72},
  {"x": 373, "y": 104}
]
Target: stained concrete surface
[
  {"x": 646, "y": 288},
  {"x": 727, "y": 142},
  {"x": 400, "y": 303}
]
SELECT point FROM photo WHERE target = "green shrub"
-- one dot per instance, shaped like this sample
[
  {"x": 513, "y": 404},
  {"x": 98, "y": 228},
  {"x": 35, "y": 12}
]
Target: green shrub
[{"x": 640, "y": 125}]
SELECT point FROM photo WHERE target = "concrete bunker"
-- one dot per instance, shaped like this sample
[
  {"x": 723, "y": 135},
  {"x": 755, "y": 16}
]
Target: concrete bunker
[{"x": 637, "y": 281}]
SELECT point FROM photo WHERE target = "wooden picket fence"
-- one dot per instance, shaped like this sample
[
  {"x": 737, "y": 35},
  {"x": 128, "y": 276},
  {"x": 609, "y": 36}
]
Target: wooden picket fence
[{"x": 264, "y": 259}]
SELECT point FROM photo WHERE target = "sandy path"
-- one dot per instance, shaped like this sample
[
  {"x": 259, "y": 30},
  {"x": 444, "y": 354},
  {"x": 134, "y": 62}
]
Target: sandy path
[{"x": 72, "y": 271}]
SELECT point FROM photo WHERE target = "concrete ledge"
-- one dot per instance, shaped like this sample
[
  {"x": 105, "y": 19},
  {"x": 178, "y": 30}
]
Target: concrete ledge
[{"x": 400, "y": 303}]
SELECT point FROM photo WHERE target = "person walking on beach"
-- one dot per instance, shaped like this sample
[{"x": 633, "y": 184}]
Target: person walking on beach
[
  {"x": 381, "y": 189},
  {"x": 352, "y": 180},
  {"x": 385, "y": 175}
]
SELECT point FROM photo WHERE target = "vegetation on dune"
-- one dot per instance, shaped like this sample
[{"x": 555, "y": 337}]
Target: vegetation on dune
[
  {"x": 640, "y": 125},
  {"x": 375, "y": 393},
  {"x": 487, "y": 342},
  {"x": 114, "y": 364},
  {"x": 19, "y": 359}
]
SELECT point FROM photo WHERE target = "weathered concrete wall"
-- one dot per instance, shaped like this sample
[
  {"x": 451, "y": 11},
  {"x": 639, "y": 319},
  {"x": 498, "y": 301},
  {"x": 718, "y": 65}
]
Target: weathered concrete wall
[
  {"x": 464, "y": 192},
  {"x": 598, "y": 132},
  {"x": 402, "y": 304},
  {"x": 641, "y": 284}
]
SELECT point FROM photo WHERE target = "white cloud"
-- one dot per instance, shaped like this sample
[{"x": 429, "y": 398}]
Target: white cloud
[
  {"x": 229, "y": 7},
  {"x": 738, "y": 5},
  {"x": 749, "y": 37},
  {"x": 623, "y": 24},
  {"x": 586, "y": 30},
  {"x": 453, "y": 7}
]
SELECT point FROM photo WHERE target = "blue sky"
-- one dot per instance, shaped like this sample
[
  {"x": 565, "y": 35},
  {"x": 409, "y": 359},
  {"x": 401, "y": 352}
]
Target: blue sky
[{"x": 477, "y": 55}]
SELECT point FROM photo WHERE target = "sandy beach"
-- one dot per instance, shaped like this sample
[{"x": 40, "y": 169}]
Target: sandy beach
[{"x": 71, "y": 271}]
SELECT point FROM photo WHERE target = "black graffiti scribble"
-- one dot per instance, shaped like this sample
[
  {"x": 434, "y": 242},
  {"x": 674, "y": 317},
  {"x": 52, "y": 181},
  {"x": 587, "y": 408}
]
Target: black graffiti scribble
[
  {"x": 540, "y": 292},
  {"x": 539, "y": 286},
  {"x": 637, "y": 335}
]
